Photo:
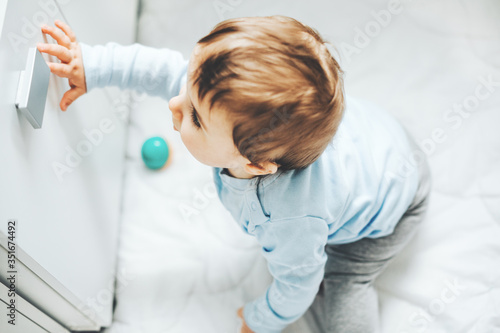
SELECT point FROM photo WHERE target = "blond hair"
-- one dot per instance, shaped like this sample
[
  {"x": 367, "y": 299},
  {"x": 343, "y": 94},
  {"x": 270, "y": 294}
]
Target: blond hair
[{"x": 279, "y": 85}]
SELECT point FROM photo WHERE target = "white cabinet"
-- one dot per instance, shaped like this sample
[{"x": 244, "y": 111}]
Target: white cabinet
[{"x": 62, "y": 183}]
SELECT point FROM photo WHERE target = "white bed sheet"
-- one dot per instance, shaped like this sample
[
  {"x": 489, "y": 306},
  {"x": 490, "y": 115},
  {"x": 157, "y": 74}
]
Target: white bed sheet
[{"x": 185, "y": 266}]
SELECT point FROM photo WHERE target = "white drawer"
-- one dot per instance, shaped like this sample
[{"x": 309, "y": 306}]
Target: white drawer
[{"x": 67, "y": 213}]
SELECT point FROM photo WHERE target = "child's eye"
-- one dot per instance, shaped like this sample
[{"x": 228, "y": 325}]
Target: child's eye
[{"x": 195, "y": 118}]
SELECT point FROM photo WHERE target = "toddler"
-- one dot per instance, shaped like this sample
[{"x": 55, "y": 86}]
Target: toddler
[{"x": 332, "y": 187}]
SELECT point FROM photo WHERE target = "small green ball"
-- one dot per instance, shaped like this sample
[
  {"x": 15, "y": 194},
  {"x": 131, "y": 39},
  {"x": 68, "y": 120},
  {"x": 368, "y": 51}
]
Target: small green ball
[{"x": 155, "y": 152}]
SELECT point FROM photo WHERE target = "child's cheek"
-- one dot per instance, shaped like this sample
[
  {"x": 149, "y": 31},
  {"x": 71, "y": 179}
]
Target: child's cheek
[
  {"x": 194, "y": 145},
  {"x": 187, "y": 138}
]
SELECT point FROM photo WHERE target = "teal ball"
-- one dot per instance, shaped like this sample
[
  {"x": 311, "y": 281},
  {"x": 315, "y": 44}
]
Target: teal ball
[{"x": 155, "y": 152}]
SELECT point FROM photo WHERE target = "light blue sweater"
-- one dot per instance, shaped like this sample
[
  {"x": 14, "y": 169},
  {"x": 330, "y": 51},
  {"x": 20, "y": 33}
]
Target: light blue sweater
[{"x": 359, "y": 187}]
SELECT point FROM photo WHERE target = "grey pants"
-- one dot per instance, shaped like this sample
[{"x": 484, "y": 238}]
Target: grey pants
[{"x": 347, "y": 300}]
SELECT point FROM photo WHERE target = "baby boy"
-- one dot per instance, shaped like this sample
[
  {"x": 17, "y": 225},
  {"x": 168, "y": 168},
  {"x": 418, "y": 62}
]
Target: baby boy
[{"x": 331, "y": 187}]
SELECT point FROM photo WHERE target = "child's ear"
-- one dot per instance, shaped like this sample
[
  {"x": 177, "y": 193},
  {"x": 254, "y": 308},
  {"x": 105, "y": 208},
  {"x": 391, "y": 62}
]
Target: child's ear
[{"x": 262, "y": 168}]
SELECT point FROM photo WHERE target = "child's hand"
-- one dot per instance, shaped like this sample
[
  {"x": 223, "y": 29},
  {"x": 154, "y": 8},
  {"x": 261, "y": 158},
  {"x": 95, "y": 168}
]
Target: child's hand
[
  {"x": 68, "y": 51},
  {"x": 244, "y": 327}
]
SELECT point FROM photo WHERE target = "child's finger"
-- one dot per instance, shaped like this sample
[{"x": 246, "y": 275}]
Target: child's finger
[
  {"x": 67, "y": 30},
  {"x": 59, "y": 51},
  {"x": 70, "y": 96},
  {"x": 58, "y": 35},
  {"x": 61, "y": 70},
  {"x": 240, "y": 313}
]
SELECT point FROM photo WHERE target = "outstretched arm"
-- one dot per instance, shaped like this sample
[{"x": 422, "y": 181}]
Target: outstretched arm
[
  {"x": 295, "y": 253},
  {"x": 157, "y": 72}
]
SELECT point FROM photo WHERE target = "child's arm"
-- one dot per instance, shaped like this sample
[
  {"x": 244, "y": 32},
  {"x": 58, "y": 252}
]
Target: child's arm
[
  {"x": 157, "y": 72},
  {"x": 244, "y": 327},
  {"x": 295, "y": 253}
]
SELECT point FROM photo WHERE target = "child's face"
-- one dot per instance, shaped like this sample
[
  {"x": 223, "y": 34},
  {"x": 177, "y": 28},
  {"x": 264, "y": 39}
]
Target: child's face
[{"x": 208, "y": 139}]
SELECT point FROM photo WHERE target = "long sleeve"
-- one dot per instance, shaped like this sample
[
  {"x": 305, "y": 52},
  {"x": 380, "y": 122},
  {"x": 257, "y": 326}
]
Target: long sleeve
[
  {"x": 295, "y": 253},
  {"x": 157, "y": 72}
]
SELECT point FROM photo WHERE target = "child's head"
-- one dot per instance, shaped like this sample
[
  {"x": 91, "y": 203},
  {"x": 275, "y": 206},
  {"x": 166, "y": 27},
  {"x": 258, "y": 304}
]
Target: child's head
[{"x": 268, "y": 93}]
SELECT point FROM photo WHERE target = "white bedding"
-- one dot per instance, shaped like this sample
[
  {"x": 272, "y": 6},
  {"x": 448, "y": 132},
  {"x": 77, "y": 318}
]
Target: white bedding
[{"x": 185, "y": 266}]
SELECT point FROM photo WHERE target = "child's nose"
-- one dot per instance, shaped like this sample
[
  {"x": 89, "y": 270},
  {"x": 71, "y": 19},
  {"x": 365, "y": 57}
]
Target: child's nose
[{"x": 175, "y": 106}]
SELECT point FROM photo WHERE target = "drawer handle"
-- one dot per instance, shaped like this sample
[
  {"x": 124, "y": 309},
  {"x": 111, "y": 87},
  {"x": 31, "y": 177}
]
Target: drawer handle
[{"x": 33, "y": 87}]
